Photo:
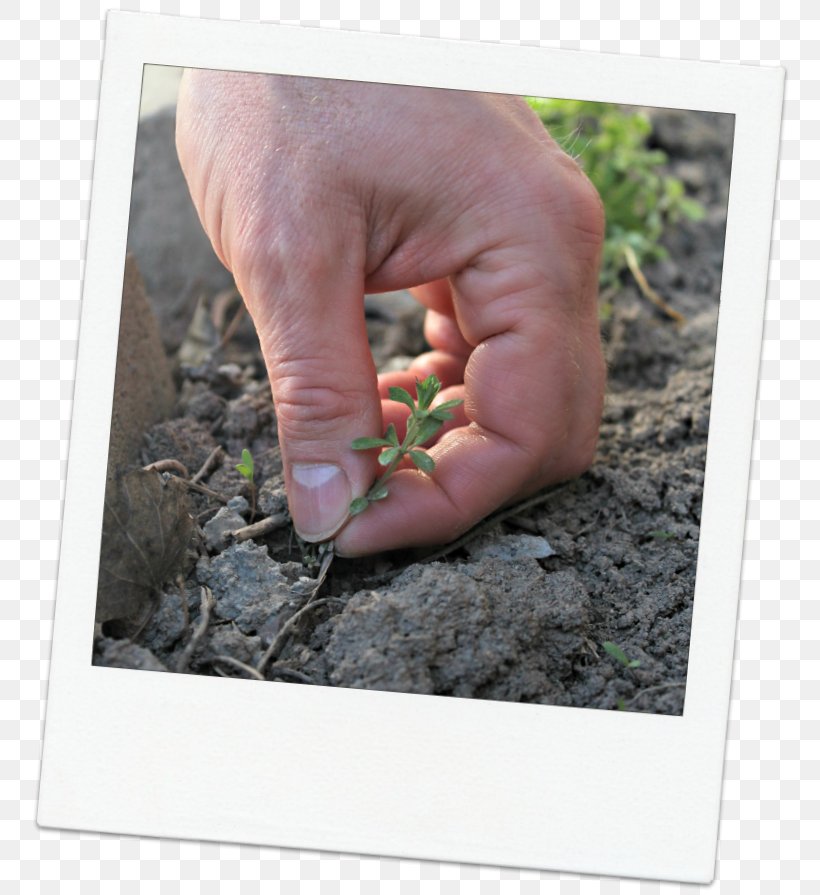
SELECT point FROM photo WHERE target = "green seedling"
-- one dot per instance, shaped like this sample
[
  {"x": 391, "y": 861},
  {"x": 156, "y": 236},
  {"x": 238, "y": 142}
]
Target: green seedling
[
  {"x": 246, "y": 469},
  {"x": 422, "y": 424},
  {"x": 619, "y": 655},
  {"x": 640, "y": 199},
  {"x": 662, "y": 534}
]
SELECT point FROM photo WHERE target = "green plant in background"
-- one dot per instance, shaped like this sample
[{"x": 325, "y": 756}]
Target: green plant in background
[
  {"x": 622, "y": 659},
  {"x": 640, "y": 199},
  {"x": 619, "y": 655},
  {"x": 422, "y": 424},
  {"x": 661, "y": 534}
]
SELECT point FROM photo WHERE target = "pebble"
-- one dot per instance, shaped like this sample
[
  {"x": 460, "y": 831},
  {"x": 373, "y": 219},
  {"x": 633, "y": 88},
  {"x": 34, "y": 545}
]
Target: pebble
[{"x": 510, "y": 548}]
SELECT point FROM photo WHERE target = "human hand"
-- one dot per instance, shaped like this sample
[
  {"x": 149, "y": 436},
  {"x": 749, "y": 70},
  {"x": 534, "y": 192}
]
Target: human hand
[{"x": 314, "y": 192}]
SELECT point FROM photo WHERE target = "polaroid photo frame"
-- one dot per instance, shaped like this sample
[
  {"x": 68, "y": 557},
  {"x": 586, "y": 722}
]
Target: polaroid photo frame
[{"x": 389, "y": 774}]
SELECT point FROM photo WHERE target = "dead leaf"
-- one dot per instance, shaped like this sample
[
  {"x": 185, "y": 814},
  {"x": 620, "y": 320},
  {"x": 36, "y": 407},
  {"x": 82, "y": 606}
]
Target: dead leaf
[{"x": 146, "y": 530}]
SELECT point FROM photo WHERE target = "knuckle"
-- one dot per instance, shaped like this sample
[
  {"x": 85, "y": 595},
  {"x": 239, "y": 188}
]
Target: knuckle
[
  {"x": 272, "y": 247},
  {"x": 583, "y": 206},
  {"x": 569, "y": 196},
  {"x": 314, "y": 405},
  {"x": 252, "y": 248},
  {"x": 569, "y": 216}
]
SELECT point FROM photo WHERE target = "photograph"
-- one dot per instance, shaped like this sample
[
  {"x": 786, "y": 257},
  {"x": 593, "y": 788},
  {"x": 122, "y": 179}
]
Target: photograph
[
  {"x": 410, "y": 442},
  {"x": 413, "y": 390}
]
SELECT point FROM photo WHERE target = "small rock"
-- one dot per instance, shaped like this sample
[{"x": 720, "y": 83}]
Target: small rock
[
  {"x": 303, "y": 586},
  {"x": 238, "y": 504},
  {"x": 224, "y": 522},
  {"x": 231, "y": 373},
  {"x": 248, "y": 585},
  {"x": 510, "y": 548},
  {"x": 300, "y": 590},
  {"x": 293, "y": 571}
]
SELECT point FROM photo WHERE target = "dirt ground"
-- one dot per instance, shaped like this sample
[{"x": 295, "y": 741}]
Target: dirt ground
[{"x": 520, "y": 609}]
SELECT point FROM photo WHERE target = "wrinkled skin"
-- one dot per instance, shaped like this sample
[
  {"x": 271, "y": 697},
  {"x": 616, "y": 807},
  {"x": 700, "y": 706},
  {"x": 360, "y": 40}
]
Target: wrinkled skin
[{"x": 314, "y": 192}]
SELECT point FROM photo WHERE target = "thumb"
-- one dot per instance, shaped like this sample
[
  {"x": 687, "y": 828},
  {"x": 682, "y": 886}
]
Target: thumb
[{"x": 310, "y": 318}]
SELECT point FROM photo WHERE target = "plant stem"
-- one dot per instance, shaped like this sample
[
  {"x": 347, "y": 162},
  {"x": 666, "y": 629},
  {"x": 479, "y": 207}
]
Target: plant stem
[
  {"x": 405, "y": 446},
  {"x": 387, "y": 473}
]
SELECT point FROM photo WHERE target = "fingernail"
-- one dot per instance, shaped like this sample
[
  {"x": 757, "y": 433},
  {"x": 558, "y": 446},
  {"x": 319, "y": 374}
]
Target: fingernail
[{"x": 319, "y": 499}]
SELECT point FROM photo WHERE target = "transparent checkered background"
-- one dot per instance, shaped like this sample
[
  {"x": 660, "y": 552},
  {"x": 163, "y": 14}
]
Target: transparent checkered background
[{"x": 50, "y": 55}]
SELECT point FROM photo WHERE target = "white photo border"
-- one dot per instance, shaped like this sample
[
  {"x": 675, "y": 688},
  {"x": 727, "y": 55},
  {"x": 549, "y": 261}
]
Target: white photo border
[{"x": 429, "y": 777}]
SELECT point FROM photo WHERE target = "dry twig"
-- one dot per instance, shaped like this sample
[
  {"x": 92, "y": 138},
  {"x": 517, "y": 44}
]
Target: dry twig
[
  {"x": 206, "y": 604},
  {"x": 232, "y": 327},
  {"x": 208, "y": 465},
  {"x": 201, "y": 489},
  {"x": 191, "y": 483},
  {"x": 282, "y": 672},
  {"x": 260, "y": 528},
  {"x": 646, "y": 290},
  {"x": 167, "y": 466},
  {"x": 279, "y": 641},
  {"x": 235, "y": 663}
]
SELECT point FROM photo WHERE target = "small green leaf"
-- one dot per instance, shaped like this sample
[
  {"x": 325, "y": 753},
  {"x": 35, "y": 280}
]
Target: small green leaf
[
  {"x": 402, "y": 396},
  {"x": 448, "y": 405},
  {"x": 616, "y": 652},
  {"x": 441, "y": 415},
  {"x": 427, "y": 429},
  {"x": 377, "y": 493},
  {"x": 424, "y": 461},
  {"x": 365, "y": 444},
  {"x": 661, "y": 534},
  {"x": 427, "y": 390},
  {"x": 245, "y": 468},
  {"x": 358, "y": 505},
  {"x": 388, "y": 456},
  {"x": 391, "y": 435},
  {"x": 692, "y": 209},
  {"x": 633, "y": 663}
]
